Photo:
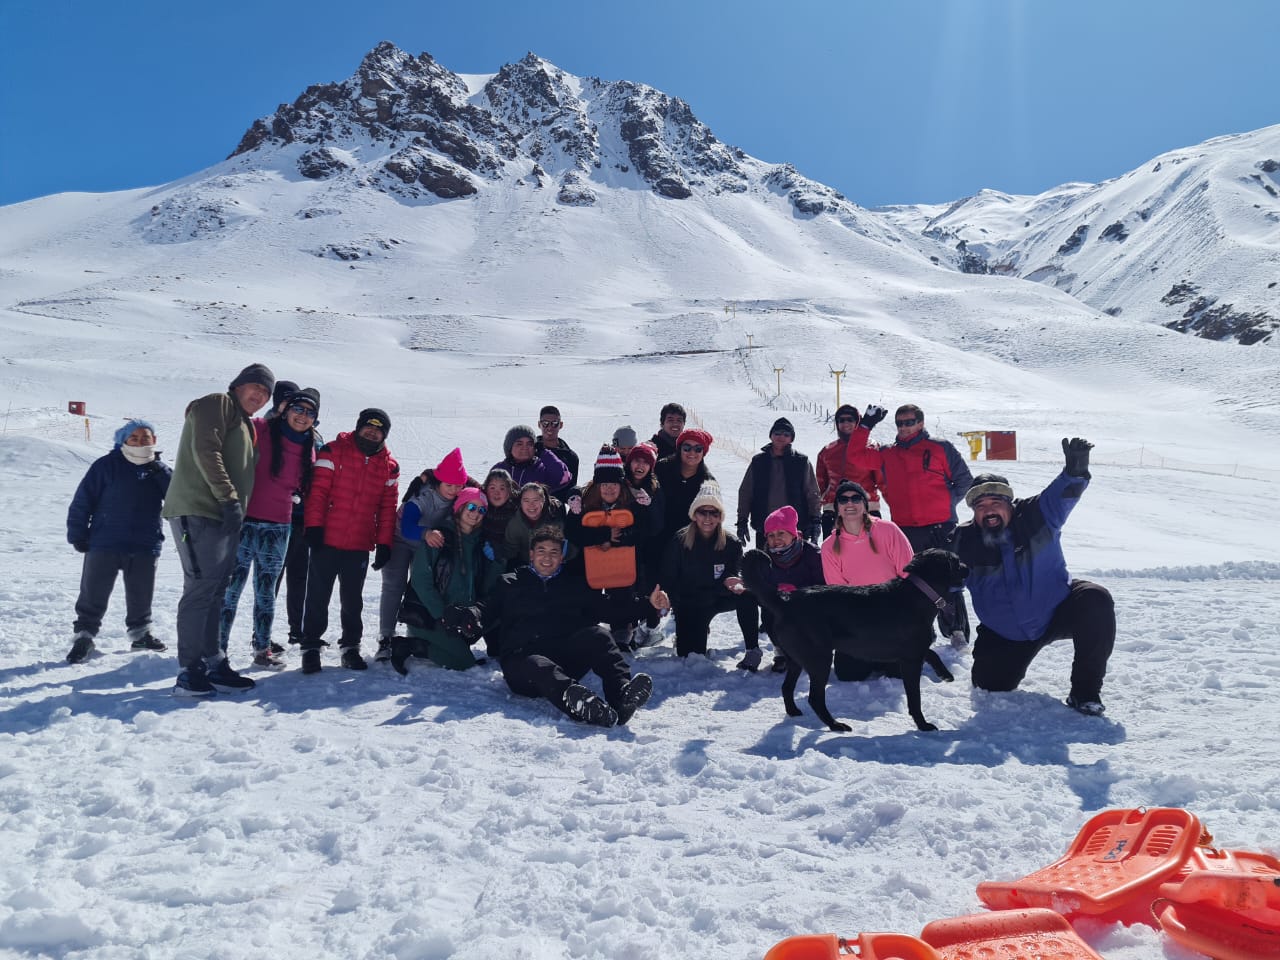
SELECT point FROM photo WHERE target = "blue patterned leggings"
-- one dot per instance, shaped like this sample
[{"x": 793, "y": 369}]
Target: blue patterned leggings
[{"x": 262, "y": 545}]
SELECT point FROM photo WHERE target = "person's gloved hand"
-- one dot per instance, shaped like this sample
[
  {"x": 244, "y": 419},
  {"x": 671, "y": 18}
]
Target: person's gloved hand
[
  {"x": 381, "y": 554},
  {"x": 1076, "y": 453},
  {"x": 814, "y": 533},
  {"x": 465, "y": 620},
  {"x": 232, "y": 516},
  {"x": 743, "y": 530},
  {"x": 314, "y": 537},
  {"x": 872, "y": 415},
  {"x": 82, "y": 546}
]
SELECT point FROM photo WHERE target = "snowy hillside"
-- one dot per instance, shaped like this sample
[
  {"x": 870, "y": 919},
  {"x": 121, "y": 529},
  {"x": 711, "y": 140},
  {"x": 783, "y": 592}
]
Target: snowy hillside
[
  {"x": 1190, "y": 240},
  {"x": 438, "y": 816}
]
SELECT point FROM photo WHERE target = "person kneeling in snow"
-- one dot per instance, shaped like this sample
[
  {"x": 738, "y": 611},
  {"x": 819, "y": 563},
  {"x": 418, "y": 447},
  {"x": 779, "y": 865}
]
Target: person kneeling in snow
[
  {"x": 114, "y": 520},
  {"x": 543, "y": 626},
  {"x": 1021, "y": 590}
]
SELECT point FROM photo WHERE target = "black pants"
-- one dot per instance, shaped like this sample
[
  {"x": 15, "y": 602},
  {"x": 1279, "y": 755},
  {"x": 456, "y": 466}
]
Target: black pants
[
  {"x": 98, "y": 579},
  {"x": 563, "y": 661},
  {"x": 294, "y": 577},
  {"x": 943, "y": 537},
  {"x": 1087, "y": 616},
  {"x": 349, "y": 568},
  {"x": 693, "y": 620}
]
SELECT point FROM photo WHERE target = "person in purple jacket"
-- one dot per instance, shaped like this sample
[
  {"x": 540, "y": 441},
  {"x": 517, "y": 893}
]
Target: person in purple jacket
[
  {"x": 527, "y": 464},
  {"x": 286, "y": 451},
  {"x": 795, "y": 563}
]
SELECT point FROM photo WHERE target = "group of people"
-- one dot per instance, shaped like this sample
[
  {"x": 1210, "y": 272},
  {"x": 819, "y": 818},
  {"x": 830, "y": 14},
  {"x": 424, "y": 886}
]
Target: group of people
[{"x": 558, "y": 578}]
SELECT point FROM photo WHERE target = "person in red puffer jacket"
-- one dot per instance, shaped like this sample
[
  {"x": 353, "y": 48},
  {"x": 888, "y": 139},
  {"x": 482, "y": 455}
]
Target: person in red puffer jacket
[{"x": 351, "y": 510}]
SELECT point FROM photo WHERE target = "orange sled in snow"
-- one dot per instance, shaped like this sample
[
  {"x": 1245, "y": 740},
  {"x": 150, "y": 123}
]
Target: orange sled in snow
[
  {"x": 1227, "y": 906},
  {"x": 1111, "y": 872},
  {"x": 1007, "y": 935}
]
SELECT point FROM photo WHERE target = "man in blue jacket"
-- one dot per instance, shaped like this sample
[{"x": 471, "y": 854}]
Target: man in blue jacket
[
  {"x": 114, "y": 520},
  {"x": 1021, "y": 589}
]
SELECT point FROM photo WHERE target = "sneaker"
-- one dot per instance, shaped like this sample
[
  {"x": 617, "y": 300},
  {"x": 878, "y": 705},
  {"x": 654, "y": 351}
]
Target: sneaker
[
  {"x": 581, "y": 704},
  {"x": 958, "y": 640},
  {"x": 227, "y": 680},
  {"x": 147, "y": 642},
  {"x": 780, "y": 663},
  {"x": 352, "y": 660},
  {"x": 81, "y": 648},
  {"x": 384, "y": 651},
  {"x": 267, "y": 660},
  {"x": 635, "y": 695},
  {"x": 294, "y": 638},
  {"x": 193, "y": 682},
  {"x": 277, "y": 649},
  {"x": 1090, "y": 708},
  {"x": 311, "y": 661},
  {"x": 751, "y": 661}
]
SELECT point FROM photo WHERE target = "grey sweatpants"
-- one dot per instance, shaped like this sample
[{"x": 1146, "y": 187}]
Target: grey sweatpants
[
  {"x": 208, "y": 555},
  {"x": 395, "y": 577},
  {"x": 98, "y": 578}
]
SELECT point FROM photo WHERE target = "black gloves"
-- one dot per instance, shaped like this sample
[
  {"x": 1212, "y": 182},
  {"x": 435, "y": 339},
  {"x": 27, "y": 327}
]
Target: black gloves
[
  {"x": 1076, "y": 452},
  {"x": 232, "y": 516},
  {"x": 743, "y": 531},
  {"x": 872, "y": 415},
  {"x": 464, "y": 621},
  {"x": 82, "y": 546},
  {"x": 814, "y": 533},
  {"x": 314, "y": 537},
  {"x": 381, "y": 554}
]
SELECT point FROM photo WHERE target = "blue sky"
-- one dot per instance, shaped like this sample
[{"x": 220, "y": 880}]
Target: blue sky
[{"x": 897, "y": 101}]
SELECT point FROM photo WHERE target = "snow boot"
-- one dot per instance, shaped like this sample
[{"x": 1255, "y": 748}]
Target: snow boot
[
  {"x": 635, "y": 694},
  {"x": 81, "y": 648},
  {"x": 581, "y": 704},
  {"x": 311, "y": 660},
  {"x": 1090, "y": 708},
  {"x": 352, "y": 660},
  {"x": 227, "y": 680},
  {"x": 751, "y": 662}
]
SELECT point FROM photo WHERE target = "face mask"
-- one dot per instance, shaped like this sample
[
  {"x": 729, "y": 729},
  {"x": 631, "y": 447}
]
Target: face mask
[{"x": 139, "y": 455}]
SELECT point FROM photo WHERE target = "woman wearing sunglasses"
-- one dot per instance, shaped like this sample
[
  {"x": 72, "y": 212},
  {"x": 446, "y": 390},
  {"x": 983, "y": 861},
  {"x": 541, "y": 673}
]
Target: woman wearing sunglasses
[
  {"x": 700, "y": 575},
  {"x": 681, "y": 476},
  {"x": 456, "y": 574}
]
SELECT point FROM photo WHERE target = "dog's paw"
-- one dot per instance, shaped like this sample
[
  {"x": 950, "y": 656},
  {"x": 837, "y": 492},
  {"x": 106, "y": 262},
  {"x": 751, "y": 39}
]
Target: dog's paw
[
  {"x": 839, "y": 727},
  {"x": 947, "y": 676},
  {"x": 794, "y": 711},
  {"x": 926, "y": 726}
]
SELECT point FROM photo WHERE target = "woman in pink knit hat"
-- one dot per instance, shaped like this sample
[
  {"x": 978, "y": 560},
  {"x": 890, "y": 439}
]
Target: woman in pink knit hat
[
  {"x": 423, "y": 514},
  {"x": 795, "y": 563}
]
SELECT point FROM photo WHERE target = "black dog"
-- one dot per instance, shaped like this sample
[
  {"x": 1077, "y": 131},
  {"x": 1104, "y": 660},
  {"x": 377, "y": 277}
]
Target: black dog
[{"x": 887, "y": 623}]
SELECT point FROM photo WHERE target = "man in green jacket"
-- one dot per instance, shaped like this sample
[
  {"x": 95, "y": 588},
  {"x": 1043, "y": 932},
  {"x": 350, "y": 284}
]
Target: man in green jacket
[{"x": 212, "y": 481}]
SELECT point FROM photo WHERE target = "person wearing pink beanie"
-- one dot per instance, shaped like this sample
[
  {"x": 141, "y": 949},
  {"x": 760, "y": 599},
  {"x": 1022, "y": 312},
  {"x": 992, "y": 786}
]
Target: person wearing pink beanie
[{"x": 795, "y": 563}]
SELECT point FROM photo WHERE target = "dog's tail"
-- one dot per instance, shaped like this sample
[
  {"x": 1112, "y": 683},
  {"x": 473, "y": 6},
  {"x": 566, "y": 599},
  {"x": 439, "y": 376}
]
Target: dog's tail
[{"x": 755, "y": 566}]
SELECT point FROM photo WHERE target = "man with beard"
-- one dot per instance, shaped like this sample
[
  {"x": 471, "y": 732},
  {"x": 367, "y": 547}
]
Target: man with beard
[{"x": 1021, "y": 590}]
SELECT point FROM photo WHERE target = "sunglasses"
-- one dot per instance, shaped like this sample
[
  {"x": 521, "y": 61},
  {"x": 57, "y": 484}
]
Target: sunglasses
[
  {"x": 475, "y": 508},
  {"x": 302, "y": 409},
  {"x": 691, "y": 448},
  {"x": 850, "y": 498},
  {"x": 707, "y": 512},
  {"x": 907, "y": 422},
  {"x": 550, "y": 424}
]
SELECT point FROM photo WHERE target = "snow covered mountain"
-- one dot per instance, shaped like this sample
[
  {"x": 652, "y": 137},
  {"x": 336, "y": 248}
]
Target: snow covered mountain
[{"x": 1190, "y": 240}]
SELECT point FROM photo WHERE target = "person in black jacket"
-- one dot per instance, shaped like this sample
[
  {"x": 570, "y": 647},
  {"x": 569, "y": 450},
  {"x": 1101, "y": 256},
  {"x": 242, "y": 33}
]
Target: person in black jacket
[
  {"x": 543, "y": 626},
  {"x": 549, "y": 426},
  {"x": 114, "y": 520},
  {"x": 779, "y": 477},
  {"x": 700, "y": 569}
]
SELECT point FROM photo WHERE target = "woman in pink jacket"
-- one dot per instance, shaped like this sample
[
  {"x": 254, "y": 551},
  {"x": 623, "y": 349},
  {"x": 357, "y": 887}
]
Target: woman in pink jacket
[{"x": 862, "y": 550}]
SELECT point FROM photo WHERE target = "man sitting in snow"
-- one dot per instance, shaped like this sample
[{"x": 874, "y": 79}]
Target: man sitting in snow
[
  {"x": 543, "y": 625},
  {"x": 1020, "y": 587}
]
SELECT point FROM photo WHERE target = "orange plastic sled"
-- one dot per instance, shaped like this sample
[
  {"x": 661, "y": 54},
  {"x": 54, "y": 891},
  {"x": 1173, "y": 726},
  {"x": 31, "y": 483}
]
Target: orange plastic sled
[
  {"x": 1113, "y": 869},
  {"x": 868, "y": 946},
  {"x": 616, "y": 565},
  {"x": 1227, "y": 907},
  {"x": 1008, "y": 935}
]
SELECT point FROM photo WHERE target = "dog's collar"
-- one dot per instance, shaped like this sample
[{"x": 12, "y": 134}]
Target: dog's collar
[{"x": 943, "y": 605}]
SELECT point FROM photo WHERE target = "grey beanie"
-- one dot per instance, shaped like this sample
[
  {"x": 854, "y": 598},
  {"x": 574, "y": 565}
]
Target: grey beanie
[
  {"x": 258, "y": 373},
  {"x": 625, "y": 436},
  {"x": 514, "y": 434}
]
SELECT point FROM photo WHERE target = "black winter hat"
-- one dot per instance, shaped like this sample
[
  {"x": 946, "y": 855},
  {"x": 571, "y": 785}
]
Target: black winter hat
[
  {"x": 608, "y": 466},
  {"x": 372, "y": 416},
  {"x": 258, "y": 373},
  {"x": 283, "y": 391},
  {"x": 849, "y": 486},
  {"x": 782, "y": 425},
  {"x": 308, "y": 395},
  {"x": 847, "y": 410}
]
